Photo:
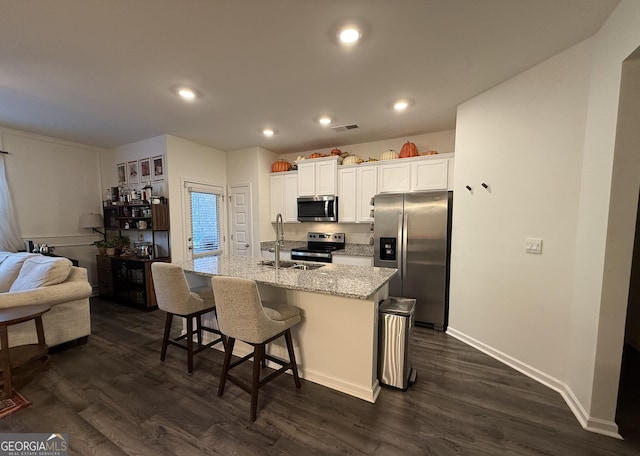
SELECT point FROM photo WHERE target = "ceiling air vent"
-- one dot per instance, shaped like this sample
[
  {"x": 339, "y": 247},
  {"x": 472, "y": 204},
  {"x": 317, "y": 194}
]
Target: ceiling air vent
[{"x": 339, "y": 128}]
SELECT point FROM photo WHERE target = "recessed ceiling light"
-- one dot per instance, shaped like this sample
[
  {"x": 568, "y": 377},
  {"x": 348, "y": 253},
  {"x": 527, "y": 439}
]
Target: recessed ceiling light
[
  {"x": 401, "y": 105},
  {"x": 268, "y": 132},
  {"x": 186, "y": 93},
  {"x": 325, "y": 120},
  {"x": 349, "y": 35}
]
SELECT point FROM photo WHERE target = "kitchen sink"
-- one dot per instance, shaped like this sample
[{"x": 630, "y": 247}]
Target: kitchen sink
[{"x": 291, "y": 265}]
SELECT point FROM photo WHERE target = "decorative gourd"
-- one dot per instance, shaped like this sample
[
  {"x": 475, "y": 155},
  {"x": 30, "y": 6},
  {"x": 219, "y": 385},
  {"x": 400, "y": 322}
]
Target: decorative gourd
[
  {"x": 351, "y": 160},
  {"x": 336, "y": 151},
  {"x": 389, "y": 155},
  {"x": 430, "y": 152},
  {"x": 280, "y": 166},
  {"x": 409, "y": 149},
  {"x": 316, "y": 155}
]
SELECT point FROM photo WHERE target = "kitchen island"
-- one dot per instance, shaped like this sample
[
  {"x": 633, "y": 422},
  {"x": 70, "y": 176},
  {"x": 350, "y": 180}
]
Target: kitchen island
[{"x": 336, "y": 342}]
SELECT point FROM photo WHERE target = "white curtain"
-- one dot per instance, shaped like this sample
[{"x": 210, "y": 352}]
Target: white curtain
[{"x": 10, "y": 240}]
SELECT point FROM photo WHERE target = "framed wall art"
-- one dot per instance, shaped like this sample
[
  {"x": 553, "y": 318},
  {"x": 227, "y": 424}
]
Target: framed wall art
[
  {"x": 121, "y": 170},
  {"x": 145, "y": 170},
  {"x": 157, "y": 163},
  {"x": 133, "y": 172}
]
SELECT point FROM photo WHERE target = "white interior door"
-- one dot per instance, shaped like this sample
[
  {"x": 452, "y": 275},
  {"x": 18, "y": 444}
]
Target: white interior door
[
  {"x": 241, "y": 239},
  {"x": 203, "y": 219}
]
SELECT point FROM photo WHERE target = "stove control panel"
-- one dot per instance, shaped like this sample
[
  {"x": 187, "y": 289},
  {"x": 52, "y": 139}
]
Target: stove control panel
[{"x": 325, "y": 237}]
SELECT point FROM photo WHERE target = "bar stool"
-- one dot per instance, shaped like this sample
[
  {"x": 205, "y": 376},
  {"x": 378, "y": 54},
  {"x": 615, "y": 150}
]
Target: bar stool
[
  {"x": 175, "y": 298},
  {"x": 242, "y": 316}
]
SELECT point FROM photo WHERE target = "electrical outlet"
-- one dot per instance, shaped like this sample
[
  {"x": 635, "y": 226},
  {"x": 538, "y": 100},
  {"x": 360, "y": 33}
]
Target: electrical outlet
[{"x": 533, "y": 245}]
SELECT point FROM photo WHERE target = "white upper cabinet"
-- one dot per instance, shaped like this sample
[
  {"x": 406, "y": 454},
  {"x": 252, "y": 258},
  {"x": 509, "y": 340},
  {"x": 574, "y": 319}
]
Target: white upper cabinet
[
  {"x": 429, "y": 175},
  {"x": 284, "y": 187},
  {"x": 367, "y": 188},
  {"x": 416, "y": 174},
  {"x": 318, "y": 176},
  {"x": 394, "y": 176},
  {"x": 357, "y": 185},
  {"x": 347, "y": 186}
]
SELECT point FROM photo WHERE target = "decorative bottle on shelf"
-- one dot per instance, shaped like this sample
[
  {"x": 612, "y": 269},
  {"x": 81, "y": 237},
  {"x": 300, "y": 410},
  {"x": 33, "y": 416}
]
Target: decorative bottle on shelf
[{"x": 146, "y": 192}]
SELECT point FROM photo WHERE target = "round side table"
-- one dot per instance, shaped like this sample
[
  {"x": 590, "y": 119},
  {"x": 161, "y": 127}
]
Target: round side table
[{"x": 15, "y": 358}]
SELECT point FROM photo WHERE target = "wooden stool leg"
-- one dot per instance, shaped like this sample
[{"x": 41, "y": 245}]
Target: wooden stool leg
[
  {"x": 165, "y": 339},
  {"x": 227, "y": 361},
  {"x": 6, "y": 361},
  {"x": 199, "y": 329},
  {"x": 258, "y": 358},
  {"x": 292, "y": 357},
  {"x": 189, "y": 345}
]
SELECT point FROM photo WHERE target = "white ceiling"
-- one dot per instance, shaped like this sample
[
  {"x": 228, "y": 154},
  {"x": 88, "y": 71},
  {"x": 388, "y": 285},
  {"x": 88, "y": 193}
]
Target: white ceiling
[{"x": 99, "y": 72}]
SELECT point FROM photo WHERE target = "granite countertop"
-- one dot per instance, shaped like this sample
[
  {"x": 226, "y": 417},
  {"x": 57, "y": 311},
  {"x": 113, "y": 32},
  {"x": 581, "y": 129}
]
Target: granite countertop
[
  {"x": 358, "y": 282},
  {"x": 364, "y": 250}
]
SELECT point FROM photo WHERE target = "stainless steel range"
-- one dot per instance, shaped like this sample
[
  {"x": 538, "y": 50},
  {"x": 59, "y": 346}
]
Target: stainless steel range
[{"x": 319, "y": 247}]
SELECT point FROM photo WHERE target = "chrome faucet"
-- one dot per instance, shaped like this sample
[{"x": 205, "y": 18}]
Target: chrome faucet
[{"x": 279, "y": 238}]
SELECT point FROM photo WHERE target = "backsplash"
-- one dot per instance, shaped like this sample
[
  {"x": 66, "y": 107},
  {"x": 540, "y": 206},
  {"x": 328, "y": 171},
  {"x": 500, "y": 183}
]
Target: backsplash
[{"x": 355, "y": 233}]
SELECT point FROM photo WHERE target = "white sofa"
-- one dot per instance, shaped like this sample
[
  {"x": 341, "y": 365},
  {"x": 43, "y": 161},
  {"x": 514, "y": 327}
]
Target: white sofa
[{"x": 28, "y": 278}]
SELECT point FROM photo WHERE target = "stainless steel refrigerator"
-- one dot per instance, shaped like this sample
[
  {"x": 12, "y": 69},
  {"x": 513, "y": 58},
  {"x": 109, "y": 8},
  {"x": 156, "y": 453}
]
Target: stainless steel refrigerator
[{"x": 413, "y": 235}]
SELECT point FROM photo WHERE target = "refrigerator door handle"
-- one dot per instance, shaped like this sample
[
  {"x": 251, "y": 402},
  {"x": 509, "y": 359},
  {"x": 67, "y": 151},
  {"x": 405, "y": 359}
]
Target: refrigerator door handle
[
  {"x": 399, "y": 248},
  {"x": 405, "y": 243}
]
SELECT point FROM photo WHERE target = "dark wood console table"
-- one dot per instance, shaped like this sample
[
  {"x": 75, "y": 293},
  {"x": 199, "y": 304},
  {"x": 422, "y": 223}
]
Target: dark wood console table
[{"x": 15, "y": 358}]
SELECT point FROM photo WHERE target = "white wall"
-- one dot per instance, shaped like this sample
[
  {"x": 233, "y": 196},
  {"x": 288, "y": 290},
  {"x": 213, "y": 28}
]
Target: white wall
[
  {"x": 184, "y": 160},
  {"x": 147, "y": 148},
  {"x": 613, "y": 211},
  {"x": 627, "y": 140},
  {"x": 52, "y": 183},
  {"x": 253, "y": 166},
  {"x": 544, "y": 142},
  {"x": 523, "y": 138},
  {"x": 188, "y": 161}
]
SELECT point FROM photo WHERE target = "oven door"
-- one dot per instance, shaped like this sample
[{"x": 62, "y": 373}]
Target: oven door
[{"x": 305, "y": 255}]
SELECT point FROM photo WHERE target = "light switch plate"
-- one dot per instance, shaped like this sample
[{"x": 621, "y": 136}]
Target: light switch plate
[{"x": 533, "y": 245}]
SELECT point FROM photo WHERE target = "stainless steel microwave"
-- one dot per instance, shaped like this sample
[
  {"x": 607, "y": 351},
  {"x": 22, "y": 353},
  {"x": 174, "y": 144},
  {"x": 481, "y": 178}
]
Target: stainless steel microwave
[{"x": 318, "y": 209}]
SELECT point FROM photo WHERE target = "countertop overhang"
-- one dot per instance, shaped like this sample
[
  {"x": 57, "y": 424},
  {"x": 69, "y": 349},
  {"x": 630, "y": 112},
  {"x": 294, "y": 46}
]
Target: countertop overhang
[{"x": 357, "y": 282}]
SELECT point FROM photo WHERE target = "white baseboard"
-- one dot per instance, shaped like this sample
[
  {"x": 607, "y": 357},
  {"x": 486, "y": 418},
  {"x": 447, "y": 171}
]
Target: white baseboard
[{"x": 598, "y": 426}]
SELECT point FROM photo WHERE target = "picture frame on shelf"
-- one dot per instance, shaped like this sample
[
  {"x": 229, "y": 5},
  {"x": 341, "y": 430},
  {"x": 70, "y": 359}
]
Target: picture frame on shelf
[
  {"x": 145, "y": 170},
  {"x": 158, "y": 168},
  {"x": 121, "y": 170},
  {"x": 133, "y": 172}
]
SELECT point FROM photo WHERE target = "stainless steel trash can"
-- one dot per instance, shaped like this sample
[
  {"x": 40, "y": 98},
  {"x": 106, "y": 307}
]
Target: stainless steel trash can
[{"x": 395, "y": 323}]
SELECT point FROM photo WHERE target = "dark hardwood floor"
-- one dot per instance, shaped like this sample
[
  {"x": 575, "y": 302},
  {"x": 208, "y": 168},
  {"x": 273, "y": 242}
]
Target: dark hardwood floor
[{"x": 113, "y": 396}]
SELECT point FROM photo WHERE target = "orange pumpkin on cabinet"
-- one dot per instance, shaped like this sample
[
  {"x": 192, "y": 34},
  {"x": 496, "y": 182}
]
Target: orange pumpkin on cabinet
[
  {"x": 316, "y": 155},
  {"x": 409, "y": 149},
  {"x": 280, "y": 166}
]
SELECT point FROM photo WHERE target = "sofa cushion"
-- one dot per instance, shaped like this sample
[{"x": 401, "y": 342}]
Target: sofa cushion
[
  {"x": 10, "y": 268},
  {"x": 4, "y": 255},
  {"x": 41, "y": 271}
]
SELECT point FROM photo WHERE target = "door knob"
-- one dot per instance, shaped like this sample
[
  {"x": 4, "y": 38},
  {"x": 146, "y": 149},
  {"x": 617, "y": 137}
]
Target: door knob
[{"x": 246, "y": 245}]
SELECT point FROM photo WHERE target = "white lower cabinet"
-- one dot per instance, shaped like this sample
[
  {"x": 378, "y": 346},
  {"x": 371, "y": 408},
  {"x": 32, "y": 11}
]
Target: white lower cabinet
[
  {"x": 284, "y": 200},
  {"x": 353, "y": 260}
]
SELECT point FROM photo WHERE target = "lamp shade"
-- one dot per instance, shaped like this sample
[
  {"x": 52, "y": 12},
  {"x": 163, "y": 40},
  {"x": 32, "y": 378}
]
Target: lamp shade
[{"x": 90, "y": 221}]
